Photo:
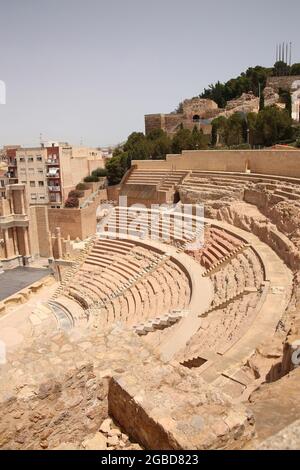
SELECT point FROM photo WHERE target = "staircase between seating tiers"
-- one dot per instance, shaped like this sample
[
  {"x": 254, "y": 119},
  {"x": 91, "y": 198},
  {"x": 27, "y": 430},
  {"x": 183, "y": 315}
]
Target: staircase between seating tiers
[
  {"x": 78, "y": 261},
  {"x": 160, "y": 323}
]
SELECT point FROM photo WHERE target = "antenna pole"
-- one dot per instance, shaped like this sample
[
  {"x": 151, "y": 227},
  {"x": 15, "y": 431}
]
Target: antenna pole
[{"x": 279, "y": 52}]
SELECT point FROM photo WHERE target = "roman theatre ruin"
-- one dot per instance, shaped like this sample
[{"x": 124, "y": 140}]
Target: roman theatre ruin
[{"x": 153, "y": 342}]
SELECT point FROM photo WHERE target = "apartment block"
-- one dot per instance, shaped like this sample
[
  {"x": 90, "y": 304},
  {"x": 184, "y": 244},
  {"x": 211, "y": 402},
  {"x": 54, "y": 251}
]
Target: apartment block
[
  {"x": 32, "y": 172},
  {"x": 52, "y": 170}
]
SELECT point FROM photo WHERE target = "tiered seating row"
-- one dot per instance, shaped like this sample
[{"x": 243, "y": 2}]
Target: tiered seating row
[
  {"x": 161, "y": 225},
  {"x": 128, "y": 283},
  {"x": 237, "y": 292},
  {"x": 217, "y": 185},
  {"x": 219, "y": 246},
  {"x": 166, "y": 178}
]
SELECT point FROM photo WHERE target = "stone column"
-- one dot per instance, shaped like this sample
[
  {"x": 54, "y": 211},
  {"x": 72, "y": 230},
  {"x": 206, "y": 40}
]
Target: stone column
[
  {"x": 6, "y": 242},
  {"x": 59, "y": 243},
  {"x": 23, "y": 202},
  {"x": 26, "y": 241},
  {"x": 50, "y": 237},
  {"x": 15, "y": 235}
]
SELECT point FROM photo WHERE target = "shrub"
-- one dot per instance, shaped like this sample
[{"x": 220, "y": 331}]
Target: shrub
[
  {"x": 91, "y": 179},
  {"x": 76, "y": 194},
  {"x": 99, "y": 172},
  {"x": 298, "y": 143},
  {"x": 72, "y": 202},
  {"x": 241, "y": 147},
  {"x": 81, "y": 187}
]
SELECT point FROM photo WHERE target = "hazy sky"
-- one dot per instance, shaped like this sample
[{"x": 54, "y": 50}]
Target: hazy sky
[{"x": 89, "y": 70}]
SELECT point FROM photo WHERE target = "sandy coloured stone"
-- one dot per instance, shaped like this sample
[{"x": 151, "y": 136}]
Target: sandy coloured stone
[
  {"x": 105, "y": 426},
  {"x": 97, "y": 442},
  {"x": 112, "y": 440},
  {"x": 114, "y": 432}
]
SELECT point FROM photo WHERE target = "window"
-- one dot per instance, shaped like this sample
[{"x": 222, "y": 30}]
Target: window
[
  {"x": 24, "y": 182},
  {"x": 33, "y": 197},
  {"x": 39, "y": 159},
  {"x": 22, "y": 159},
  {"x": 31, "y": 170},
  {"x": 30, "y": 159},
  {"x": 41, "y": 184},
  {"x": 42, "y": 197},
  {"x": 32, "y": 184}
]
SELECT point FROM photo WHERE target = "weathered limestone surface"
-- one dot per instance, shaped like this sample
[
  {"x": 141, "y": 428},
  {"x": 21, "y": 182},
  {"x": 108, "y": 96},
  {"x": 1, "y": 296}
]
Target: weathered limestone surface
[
  {"x": 57, "y": 387},
  {"x": 287, "y": 439},
  {"x": 175, "y": 409},
  {"x": 276, "y": 405}
]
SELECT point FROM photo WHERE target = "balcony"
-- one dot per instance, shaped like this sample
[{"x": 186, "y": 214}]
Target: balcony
[
  {"x": 53, "y": 173},
  {"x": 52, "y": 162},
  {"x": 54, "y": 189}
]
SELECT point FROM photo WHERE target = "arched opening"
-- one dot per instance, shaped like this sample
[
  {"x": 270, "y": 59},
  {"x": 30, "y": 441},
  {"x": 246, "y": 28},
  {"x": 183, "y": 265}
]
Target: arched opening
[{"x": 196, "y": 118}]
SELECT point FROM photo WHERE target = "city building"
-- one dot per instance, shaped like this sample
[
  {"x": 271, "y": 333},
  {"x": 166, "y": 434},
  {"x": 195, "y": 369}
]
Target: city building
[{"x": 52, "y": 170}]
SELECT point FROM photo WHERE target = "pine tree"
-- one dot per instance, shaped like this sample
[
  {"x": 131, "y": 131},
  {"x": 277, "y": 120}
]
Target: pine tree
[{"x": 261, "y": 101}]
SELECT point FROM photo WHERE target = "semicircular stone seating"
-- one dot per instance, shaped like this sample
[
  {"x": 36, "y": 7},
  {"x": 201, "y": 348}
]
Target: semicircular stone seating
[
  {"x": 225, "y": 185},
  {"x": 234, "y": 268},
  {"x": 123, "y": 280},
  {"x": 168, "y": 225},
  {"x": 238, "y": 278}
]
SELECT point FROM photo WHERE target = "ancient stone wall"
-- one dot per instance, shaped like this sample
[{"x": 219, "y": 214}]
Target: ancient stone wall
[
  {"x": 76, "y": 223},
  {"x": 282, "y": 82}
]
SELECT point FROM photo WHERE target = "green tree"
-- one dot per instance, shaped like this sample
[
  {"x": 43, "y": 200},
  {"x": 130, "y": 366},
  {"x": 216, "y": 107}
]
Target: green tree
[
  {"x": 181, "y": 140},
  {"x": 273, "y": 125},
  {"x": 116, "y": 167},
  {"x": 285, "y": 97},
  {"x": 197, "y": 141},
  {"x": 235, "y": 87},
  {"x": 281, "y": 68},
  {"x": 295, "y": 69},
  {"x": 160, "y": 144},
  {"x": 261, "y": 100},
  {"x": 219, "y": 130},
  {"x": 137, "y": 147},
  {"x": 235, "y": 130}
]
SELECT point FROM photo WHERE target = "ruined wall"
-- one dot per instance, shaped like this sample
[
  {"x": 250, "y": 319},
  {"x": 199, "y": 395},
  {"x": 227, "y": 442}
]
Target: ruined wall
[
  {"x": 202, "y": 108},
  {"x": 282, "y": 82},
  {"x": 76, "y": 223}
]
